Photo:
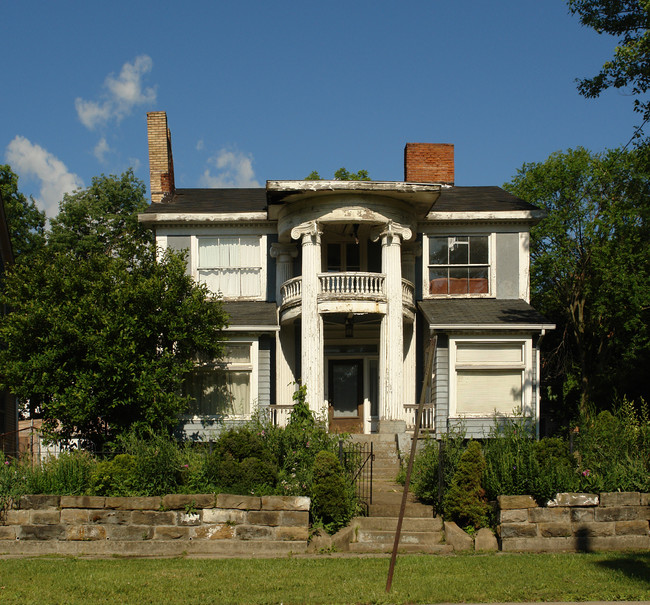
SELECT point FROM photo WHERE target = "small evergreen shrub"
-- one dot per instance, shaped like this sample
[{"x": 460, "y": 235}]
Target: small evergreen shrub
[
  {"x": 465, "y": 501},
  {"x": 332, "y": 501}
]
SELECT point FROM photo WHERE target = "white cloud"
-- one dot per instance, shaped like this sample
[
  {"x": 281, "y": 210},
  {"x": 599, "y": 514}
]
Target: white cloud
[
  {"x": 135, "y": 164},
  {"x": 101, "y": 149},
  {"x": 200, "y": 145},
  {"x": 234, "y": 169},
  {"x": 123, "y": 93},
  {"x": 32, "y": 160}
]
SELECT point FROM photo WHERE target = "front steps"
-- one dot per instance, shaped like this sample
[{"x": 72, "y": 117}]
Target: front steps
[{"x": 421, "y": 531}]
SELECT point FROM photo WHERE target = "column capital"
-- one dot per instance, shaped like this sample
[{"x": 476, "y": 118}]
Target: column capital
[
  {"x": 279, "y": 249},
  {"x": 310, "y": 232},
  {"x": 391, "y": 232}
]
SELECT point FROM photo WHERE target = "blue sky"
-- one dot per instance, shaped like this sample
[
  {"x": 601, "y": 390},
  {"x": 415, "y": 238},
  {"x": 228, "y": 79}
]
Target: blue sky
[{"x": 258, "y": 90}]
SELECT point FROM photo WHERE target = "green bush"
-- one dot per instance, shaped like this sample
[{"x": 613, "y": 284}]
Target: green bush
[
  {"x": 425, "y": 474},
  {"x": 332, "y": 499},
  {"x": 465, "y": 501},
  {"x": 116, "y": 477}
]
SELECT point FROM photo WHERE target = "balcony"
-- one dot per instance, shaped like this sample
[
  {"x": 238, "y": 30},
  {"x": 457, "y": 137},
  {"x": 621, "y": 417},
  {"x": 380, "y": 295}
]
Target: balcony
[{"x": 345, "y": 287}]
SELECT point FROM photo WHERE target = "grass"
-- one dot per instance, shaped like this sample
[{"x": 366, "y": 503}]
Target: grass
[{"x": 417, "y": 579}]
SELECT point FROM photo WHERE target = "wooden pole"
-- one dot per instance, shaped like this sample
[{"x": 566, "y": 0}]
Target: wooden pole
[{"x": 427, "y": 379}]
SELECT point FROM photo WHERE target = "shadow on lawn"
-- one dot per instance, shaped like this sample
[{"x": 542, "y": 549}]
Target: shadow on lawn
[{"x": 635, "y": 566}]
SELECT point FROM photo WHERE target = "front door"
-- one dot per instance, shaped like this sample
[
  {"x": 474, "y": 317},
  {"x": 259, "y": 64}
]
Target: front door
[{"x": 346, "y": 395}]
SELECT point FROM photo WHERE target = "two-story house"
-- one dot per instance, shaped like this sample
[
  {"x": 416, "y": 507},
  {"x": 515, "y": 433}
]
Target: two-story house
[{"x": 342, "y": 285}]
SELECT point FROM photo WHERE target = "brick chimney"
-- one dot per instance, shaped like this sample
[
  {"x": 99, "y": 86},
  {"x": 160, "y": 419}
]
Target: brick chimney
[
  {"x": 429, "y": 163},
  {"x": 161, "y": 163}
]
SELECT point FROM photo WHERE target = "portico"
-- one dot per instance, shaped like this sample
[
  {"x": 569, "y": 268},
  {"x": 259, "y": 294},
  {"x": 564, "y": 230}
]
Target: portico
[{"x": 348, "y": 239}]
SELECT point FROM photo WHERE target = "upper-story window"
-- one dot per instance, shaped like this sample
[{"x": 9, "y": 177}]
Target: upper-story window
[
  {"x": 231, "y": 265},
  {"x": 459, "y": 264}
]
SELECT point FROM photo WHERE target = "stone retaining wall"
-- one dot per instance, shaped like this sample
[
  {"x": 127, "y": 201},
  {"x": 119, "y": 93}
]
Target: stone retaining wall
[
  {"x": 575, "y": 522},
  {"x": 168, "y": 525}
]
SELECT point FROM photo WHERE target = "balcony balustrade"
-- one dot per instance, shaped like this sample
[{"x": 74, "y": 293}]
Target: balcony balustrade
[{"x": 350, "y": 285}]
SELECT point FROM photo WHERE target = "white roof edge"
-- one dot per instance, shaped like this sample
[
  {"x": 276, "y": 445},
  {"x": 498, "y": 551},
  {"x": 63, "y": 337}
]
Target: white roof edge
[
  {"x": 252, "y": 329},
  {"x": 492, "y": 215},
  {"x": 207, "y": 217},
  {"x": 536, "y": 327},
  {"x": 307, "y": 186}
]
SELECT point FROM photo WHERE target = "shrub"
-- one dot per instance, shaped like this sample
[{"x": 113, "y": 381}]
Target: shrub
[
  {"x": 465, "y": 502},
  {"x": 157, "y": 462},
  {"x": 116, "y": 477},
  {"x": 332, "y": 498},
  {"x": 425, "y": 474}
]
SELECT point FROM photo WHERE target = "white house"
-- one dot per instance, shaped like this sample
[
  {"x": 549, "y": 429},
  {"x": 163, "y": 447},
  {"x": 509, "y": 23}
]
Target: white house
[{"x": 342, "y": 285}]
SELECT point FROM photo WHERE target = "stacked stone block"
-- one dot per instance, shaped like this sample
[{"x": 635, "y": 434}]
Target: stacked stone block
[
  {"x": 196, "y": 519},
  {"x": 575, "y": 522}
]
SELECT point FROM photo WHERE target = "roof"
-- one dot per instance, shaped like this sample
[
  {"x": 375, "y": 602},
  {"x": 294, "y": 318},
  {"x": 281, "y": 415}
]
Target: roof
[
  {"x": 479, "y": 199},
  {"x": 482, "y": 313},
  {"x": 251, "y": 315},
  {"x": 235, "y": 201},
  {"x": 211, "y": 201}
]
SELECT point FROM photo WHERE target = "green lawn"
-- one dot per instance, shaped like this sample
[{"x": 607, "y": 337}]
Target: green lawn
[{"x": 325, "y": 579}]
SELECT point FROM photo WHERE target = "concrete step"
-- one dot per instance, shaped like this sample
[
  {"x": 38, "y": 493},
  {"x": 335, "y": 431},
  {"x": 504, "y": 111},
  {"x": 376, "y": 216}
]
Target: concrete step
[
  {"x": 377, "y": 536},
  {"x": 414, "y": 524},
  {"x": 413, "y": 509},
  {"x": 364, "y": 547}
]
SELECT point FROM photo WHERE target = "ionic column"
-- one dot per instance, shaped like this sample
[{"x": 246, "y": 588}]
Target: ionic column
[
  {"x": 284, "y": 255},
  {"x": 285, "y": 354},
  {"x": 311, "y": 335},
  {"x": 410, "y": 252},
  {"x": 391, "y": 346}
]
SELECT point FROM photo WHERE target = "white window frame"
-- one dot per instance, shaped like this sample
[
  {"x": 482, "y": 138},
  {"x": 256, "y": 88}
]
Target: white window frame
[
  {"x": 491, "y": 293},
  {"x": 525, "y": 367},
  {"x": 262, "y": 263},
  {"x": 252, "y": 367}
]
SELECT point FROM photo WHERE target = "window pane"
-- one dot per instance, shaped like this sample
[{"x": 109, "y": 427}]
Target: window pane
[
  {"x": 238, "y": 353},
  {"x": 333, "y": 257},
  {"x": 478, "y": 250},
  {"x": 438, "y": 281},
  {"x": 489, "y": 352},
  {"x": 458, "y": 281},
  {"x": 478, "y": 280},
  {"x": 484, "y": 391},
  {"x": 438, "y": 251},
  {"x": 352, "y": 258},
  {"x": 459, "y": 251},
  {"x": 218, "y": 392}
]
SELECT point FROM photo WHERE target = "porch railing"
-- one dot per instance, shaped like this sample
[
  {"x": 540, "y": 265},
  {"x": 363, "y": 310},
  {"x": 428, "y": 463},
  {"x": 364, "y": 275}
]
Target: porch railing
[
  {"x": 352, "y": 284},
  {"x": 279, "y": 414},
  {"x": 291, "y": 291},
  {"x": 408, "y": 293},
  {"x": 410, "y": 415}
]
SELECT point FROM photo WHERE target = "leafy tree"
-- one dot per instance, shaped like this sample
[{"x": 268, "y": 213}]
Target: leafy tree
[
  {"x": 26, "y": 222},
  {"x": 101, "y": 332},
  {"x": 341, "y": 175},
  {"x": 590, "y": 269},
  {"x": 102, "y": 218},
  {"x": 629, "y": 20}
]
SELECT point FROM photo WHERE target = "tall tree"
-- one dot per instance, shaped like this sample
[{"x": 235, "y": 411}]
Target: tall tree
[
  {"x": 102, "y": 332},
  {"x": 590, "y": 269},
  {"x": 629, "y": 68},
  {"x": 25, "y": 221}
]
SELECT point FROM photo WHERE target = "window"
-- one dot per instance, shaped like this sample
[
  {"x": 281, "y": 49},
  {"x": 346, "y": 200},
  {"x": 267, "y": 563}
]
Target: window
[
  {"x": 343, "y": 257},
  {"x": 488, "y": 377},
  {"x": 231, "y": 265},
  {"x": 459, "y": 265},
  {"x": 227, "y": 388}
]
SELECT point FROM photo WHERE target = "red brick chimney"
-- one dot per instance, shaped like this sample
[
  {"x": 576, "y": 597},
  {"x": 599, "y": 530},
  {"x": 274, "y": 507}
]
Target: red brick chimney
[
  {"x": 429, "y": 163},
  {"x": 161, "y": 163}
]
